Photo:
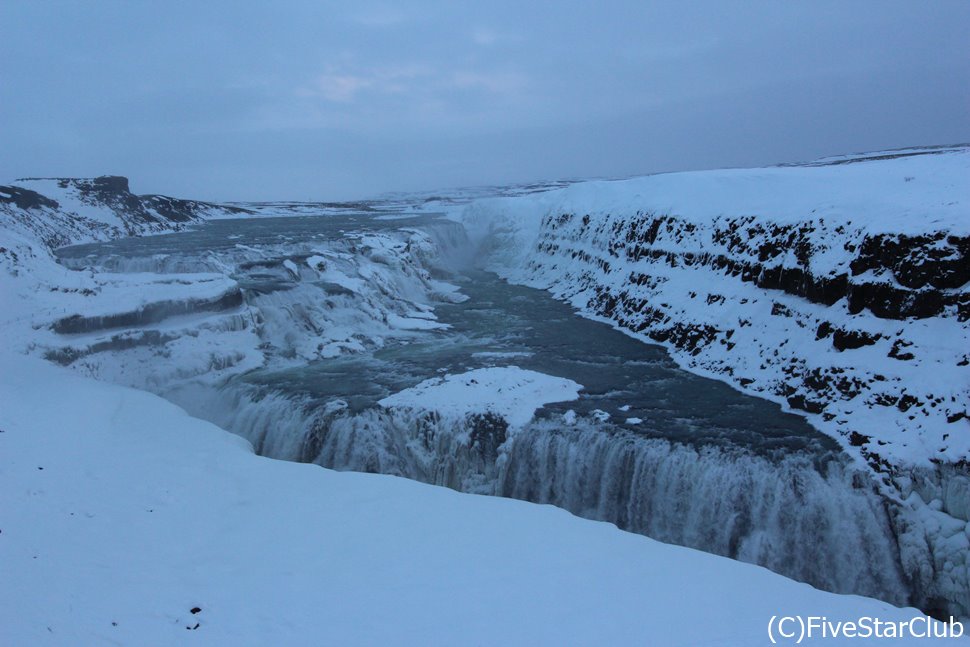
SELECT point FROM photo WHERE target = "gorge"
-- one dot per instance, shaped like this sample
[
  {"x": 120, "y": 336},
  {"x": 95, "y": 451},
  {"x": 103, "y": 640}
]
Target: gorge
[{"x": 805, "y": 409}]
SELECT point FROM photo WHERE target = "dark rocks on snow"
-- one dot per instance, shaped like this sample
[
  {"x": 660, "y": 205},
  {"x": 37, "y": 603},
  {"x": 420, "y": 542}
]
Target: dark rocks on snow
[
  {"x": 849, "y": 339},
  {"x": 25, "y": 198}
]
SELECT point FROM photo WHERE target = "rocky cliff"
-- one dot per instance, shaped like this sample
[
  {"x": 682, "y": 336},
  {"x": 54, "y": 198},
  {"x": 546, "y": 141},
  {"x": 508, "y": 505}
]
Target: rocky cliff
[{"x": 838, "y": 289}]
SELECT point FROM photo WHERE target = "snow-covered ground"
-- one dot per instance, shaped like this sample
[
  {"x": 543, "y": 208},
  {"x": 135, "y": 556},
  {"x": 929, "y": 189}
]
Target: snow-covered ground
[
  {"x": 507, "y": 391},
  {"x": 127, "y": 522}
]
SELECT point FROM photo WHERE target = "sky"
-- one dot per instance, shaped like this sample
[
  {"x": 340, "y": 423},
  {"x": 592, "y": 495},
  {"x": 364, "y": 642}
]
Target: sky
[{"x": 316, "y": 100}]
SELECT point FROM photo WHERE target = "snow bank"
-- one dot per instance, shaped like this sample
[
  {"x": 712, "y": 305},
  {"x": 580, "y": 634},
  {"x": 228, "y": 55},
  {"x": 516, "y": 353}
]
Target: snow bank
[
  {"x": 902, "y": 195},
  {"x": 127, "y": 522}
]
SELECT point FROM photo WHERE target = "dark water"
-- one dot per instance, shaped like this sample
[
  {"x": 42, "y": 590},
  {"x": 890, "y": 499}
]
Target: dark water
[
  {"x": 499, "y": 325},
  {"x": 503, "y": 324},
  {"x": 217, "y": 236}
]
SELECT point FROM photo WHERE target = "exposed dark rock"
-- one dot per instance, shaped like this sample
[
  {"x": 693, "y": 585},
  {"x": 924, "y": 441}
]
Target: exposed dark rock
[
  {"x": 488, "y": 432},
  {"x": 858, "y": 440},
  {"x": 804, "y": 404},
  {"x": 938, "y": 260},
  {"x": 68, "y": 355},
  {"x": 110, "y": 184},
  {"x": 896, "y": 351},
  {"x": 150, "y": 313},
  {"x": 780, "y": 310},
  {"x": 824, "y": 330},
  {"x": 907, "y": 401},
  {"x": 138, "y": 214},
  {"x": 25, "y": 198},
  {"x": 850, "y": 339}
]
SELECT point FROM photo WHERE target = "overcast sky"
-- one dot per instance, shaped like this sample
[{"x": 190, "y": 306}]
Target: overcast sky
[{"x": 324, "y": 100}]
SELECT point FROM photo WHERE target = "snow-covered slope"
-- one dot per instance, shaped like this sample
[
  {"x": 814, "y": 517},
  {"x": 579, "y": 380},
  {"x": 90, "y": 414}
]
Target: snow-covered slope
[
  {"x": 127, "y": 522},
  {"x": 201, "y": 317},
  {"x": 166, "y": 318}
]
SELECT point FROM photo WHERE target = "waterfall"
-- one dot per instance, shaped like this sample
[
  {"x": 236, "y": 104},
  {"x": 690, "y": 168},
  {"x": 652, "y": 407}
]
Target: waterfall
[
  {"x": 806, "y": 516},
  {"x": 792, "y": 513}
]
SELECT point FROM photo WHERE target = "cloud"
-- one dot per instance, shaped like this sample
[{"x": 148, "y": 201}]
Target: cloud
[
  {"x": 484, "y": 36},
  {"x": 490, "y": 82},
  {"x": 379, "y": 17},
  {"x": 414, "y": 82},
  {"x": 340, "y": 88},
  {"x": 340, "y": 85},
  {"x": 361, "y": 90}
]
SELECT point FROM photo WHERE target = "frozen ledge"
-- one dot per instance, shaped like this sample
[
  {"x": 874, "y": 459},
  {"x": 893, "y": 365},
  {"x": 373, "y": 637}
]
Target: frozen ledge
[{"x": 509, "y": 391}]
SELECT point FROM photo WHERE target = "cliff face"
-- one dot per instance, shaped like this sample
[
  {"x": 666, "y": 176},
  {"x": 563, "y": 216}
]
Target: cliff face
[
  {"x": 760, "y": 304},
  {"x": 840, "y": 290}
]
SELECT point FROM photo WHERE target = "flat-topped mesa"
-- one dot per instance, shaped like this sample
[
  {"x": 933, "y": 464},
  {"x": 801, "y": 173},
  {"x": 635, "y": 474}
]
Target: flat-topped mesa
[{"x": 117, "y": 183}]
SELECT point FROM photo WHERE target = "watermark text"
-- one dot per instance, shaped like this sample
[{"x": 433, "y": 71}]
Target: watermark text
[{"x": 796, "y": 629}]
